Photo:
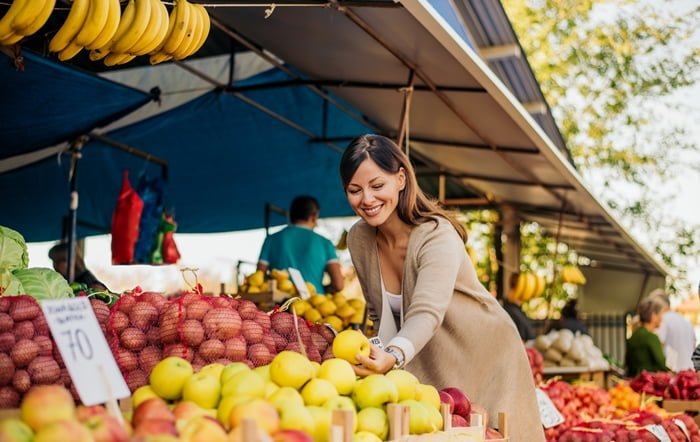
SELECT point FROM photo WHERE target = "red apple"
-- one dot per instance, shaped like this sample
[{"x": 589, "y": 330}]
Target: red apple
[
  {"x": 459, "y": 421},
  {"x": 155, "y": 426},
  {"x": 463, "y": 406},
  {"x": 68, "y": 430},
  {"x": 445, "y": 398},
  {"x": 46, "y": 404},
  {"x": 203, "y": 429},
  {"x": 152, "y": 409},
  {"x": 186, "y": 410},
  {"x": 83, "y": 413},
  {"x": 106, "y": 428},
  {"x": 291, "y": 436}
]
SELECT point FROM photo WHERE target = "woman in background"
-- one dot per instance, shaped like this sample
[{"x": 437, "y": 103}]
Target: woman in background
[{"x": 644, "y": 350}]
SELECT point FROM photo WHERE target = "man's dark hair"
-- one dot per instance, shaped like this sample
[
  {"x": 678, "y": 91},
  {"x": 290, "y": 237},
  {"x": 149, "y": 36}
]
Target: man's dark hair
[{"x": 302, "y": 208}]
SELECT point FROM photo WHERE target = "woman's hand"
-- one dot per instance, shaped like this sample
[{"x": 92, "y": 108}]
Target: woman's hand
[{"x": 378, "y": 362}]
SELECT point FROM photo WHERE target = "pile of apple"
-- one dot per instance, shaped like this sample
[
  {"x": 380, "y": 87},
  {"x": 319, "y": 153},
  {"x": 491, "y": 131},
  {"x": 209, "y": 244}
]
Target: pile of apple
[
  {"x": 144, "y": 328},
  {"x": 28, "y": 355},
  {"x": 634, "y": 428},
  {"x": 336, "y": 310},
  {"x": 48, "y": 413},
  {"x": 536, "y": 362}
]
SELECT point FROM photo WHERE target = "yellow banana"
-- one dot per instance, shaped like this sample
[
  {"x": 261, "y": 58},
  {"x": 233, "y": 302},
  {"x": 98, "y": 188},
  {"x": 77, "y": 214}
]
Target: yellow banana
[
  {"x": 171, "y": 26},
  {"x": 98, "y": 54},
  {"x": 541, "y": 283},
  {"x": 26, "y": 16},
  {"x": 124, "y": 23},
  {"x": 94, "y": 23},
  {"x": 39, "y": 20},
  {"x": 115, "y": 59},
  {"x": 530, "y": 287},
  {"x": 11, "y": 39},
  {"x": 162, "y": 34},
  {"x": 6, "y": 21},
  {"x": 110, "y": 28},
  {"x": 205, "y": 30},
  {"x": 152, "y": 30},
  {"x": 69, "y": 51},
  {"x": 515, "y": 294},
  {"x": 192, "y": 37},
  {"x": 71, "y": 27},
  {"x": 132, "y": 35},
  {"x": 182, "y": 19},
  {"x": 159, "y": 57}
]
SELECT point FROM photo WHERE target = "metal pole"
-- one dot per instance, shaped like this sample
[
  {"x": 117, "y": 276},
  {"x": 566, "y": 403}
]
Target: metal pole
[{"x": 73, "y": 207}]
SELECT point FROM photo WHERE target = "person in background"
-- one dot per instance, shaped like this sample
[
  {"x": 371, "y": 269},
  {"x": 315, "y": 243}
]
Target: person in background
[
  {"x": 59, "y": 256},
  {"x": 570, "y": 319},
  {"x": 676, "y": 334},
  {"x": 299, "y": 247},
  {"x": 513, "y": 306},
  {"x": 432, "y": 314},
  {"x": 644, "y": 350}
]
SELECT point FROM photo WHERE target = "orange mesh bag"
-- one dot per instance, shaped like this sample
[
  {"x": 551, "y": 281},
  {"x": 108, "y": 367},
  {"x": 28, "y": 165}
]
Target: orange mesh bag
[{"x": 133, "y": 334}]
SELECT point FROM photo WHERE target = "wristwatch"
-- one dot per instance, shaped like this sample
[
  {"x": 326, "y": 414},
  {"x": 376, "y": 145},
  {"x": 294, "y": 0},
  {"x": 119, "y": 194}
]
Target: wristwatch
[{"x": 398, "y": 354}]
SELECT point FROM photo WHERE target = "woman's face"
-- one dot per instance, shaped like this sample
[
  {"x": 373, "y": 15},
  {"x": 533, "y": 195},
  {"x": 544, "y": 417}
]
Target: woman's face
[
  {"x": 373, "y": 193},
  {"x": 655, "y": 320}
]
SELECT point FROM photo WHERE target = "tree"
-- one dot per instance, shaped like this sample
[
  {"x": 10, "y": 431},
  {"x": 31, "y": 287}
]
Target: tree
[{"x": 610, "y": 71}]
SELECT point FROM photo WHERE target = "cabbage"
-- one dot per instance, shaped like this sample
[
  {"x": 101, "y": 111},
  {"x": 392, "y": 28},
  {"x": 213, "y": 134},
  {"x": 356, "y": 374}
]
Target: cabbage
[
  {"x": 13, "y": 250},
  {"x": 41, "y": 283},
  {"x": 10, "y": 285}
]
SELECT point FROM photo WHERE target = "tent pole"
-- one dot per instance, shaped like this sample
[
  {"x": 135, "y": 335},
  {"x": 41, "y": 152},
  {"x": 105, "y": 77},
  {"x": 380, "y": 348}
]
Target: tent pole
[
  {"x": 76, "y": 154},
  {"x": 406, "y": 111}
]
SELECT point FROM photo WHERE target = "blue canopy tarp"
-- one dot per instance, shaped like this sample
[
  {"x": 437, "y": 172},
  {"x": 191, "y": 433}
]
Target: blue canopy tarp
[
  {"x": 226, "y": 160},
  {"x": 47, "y": 103}
]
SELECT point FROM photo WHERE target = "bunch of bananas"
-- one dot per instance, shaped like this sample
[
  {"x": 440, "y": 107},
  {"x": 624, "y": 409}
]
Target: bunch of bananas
[
  {"x": 529, "y": 285},
  {"x": 24, "y": 18},
  {"x": 572, "y": 275},
  {"x": 143, "y": 28}
]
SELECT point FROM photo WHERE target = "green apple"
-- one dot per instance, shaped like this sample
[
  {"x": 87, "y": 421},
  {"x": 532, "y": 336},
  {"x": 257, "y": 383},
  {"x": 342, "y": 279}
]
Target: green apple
[
  {"x": 294, "y": 417},
  {"x": 263, "y": 371},
  {"x": 290, "y": 369},
  {"x": 340, "y": 373},
  {"x": 405, "y": 383},
  {"x": 231, "y": 369},
  {"x": 322, "y": 423},
  {"x": 373, "y": 420},
  {"x": 419, "y": 419},
  {"x": 317, "y": 368},
  {"x": 374, "y": 391},
  {"x": 169, "y": 376},
  {"x": 428, "y": 393},
  {"x": 343, "y": 403},
  {"x": 270, "y": 389},
  {"x": 227, "y": 404},
  {"x": 202, "y": 429},
  {"x": 141, "y": 394},
  {"x": 244, "y": 383},
  {"x": 203, "y": 389},
  {"x": 285, "y": 396},
  {"x": 260, "y": 411},
  {"x": 318, "y": 391},
  {"x": 350, "y": 343},
  {"x": 14, "y": 430},
  {"x": 214, "y": 369},
  {"x": 365, "y": 436},
  {"x": 436, "y": 423}
]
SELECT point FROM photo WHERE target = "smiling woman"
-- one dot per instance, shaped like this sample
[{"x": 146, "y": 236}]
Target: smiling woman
[{"x": 434, "y": 316}]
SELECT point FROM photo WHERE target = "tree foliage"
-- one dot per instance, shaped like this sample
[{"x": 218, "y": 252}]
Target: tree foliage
[{"x": 611, "y": 71}]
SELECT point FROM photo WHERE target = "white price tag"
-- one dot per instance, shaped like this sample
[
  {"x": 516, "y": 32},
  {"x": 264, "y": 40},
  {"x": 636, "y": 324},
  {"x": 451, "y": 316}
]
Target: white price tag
[
  {"x": 84, "y": 350},
  {"x": 299, "y": 283},
  {"x": 659, "y": 432},
  {"x": 549, "y": 415},
  {"x": 680, "y": 424},
  {"x": 376, "y": 341}
]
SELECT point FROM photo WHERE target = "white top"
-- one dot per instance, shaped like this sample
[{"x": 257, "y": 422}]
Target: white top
[
  {"x": 392, "y": 305},
  {"x": 395, "y": 302},
  {"x": 678, "y": 336}
]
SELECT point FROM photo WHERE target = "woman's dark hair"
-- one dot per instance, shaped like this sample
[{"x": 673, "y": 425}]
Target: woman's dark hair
[
  {"x": 302, "y": 208},
  {"x": 414, "y": 207}
]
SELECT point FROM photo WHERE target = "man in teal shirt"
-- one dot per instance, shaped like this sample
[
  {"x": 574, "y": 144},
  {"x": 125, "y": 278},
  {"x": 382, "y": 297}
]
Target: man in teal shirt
[{"x": 298, "y": 246}]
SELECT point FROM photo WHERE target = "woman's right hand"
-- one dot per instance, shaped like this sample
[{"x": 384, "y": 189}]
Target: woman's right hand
[{"x": 378, "y": 362}]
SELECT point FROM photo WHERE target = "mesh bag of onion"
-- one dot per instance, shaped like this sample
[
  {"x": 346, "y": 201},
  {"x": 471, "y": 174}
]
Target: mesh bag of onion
[
  {"x": 313, "y": 340},
  {"x": 133, "y": 334}
]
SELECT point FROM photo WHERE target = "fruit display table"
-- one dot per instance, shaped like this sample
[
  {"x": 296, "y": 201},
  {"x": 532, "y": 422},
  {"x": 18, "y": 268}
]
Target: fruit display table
[
  {"x": 679, "y": 406},
  {"x": 598, "y": 377}
]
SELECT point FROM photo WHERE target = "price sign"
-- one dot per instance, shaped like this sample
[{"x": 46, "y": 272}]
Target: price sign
[
  {"x": 376, "y": 341},
  {"x": 680, "y": 424},
  {"x": 299, "y": 283},
  {"x": 659, "y": 432},
  {"x": 549, "y": 415},
  {"x": 84, "y": 350}
]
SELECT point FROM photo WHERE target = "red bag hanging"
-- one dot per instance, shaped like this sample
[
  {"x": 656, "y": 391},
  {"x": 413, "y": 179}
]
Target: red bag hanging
[
  {"x": 125, "y": 223},
  {"x": 170, "y": 253}
]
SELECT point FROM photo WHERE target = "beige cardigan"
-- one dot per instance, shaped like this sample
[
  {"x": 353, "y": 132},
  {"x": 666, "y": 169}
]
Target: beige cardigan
[{"x": 462, "y": 336}]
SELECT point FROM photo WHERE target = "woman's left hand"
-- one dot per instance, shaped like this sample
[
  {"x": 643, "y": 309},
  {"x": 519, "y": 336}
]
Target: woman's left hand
[{"x": 378, "y": 362}]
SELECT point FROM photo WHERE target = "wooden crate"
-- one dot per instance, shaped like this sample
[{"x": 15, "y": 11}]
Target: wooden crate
[{"x": 679, "y": 406}]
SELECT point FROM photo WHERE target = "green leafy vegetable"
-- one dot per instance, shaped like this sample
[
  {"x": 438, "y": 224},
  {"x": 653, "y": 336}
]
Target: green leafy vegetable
[
  {"x": 13, "y": 250},
  {"x": 43, "y": 283}
]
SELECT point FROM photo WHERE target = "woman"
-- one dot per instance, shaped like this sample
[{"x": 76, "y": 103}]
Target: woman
[
  {"x": 434, "y": 316},
  {"x": 644, "y": 350}
]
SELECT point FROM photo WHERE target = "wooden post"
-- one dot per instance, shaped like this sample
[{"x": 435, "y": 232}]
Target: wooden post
[
  {"x": 395, "y": 414},
  {"x": 503, "y": 424},
  {"x": 446, "y": 416},
  {"x": 249, "y": 431},
  {"x": 343, "y": 419},
  {"x": 111, "y": 405}
]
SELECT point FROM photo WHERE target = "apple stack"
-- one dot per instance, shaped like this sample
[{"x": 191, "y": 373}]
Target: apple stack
[{"x": 28, "y": 355}]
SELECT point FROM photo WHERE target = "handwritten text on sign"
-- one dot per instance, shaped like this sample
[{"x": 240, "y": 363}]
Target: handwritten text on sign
[
  {"x": 84, "y": 350},
  {"x": 549, "y": 415}
]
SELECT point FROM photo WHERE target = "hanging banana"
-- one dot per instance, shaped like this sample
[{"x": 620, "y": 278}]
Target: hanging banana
[
  {"x": 70, "y": 28},
  {"x": 110, "y": 27},
  {"x": 137, "y": 28},
  {"x": 40, "y": 12}
]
